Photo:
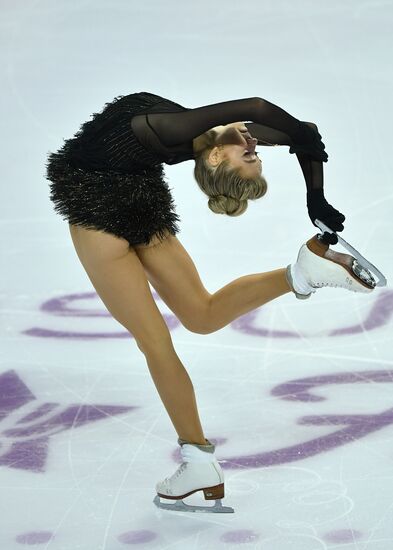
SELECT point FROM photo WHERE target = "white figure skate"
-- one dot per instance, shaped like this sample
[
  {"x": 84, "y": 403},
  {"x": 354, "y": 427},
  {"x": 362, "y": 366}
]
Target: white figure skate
[
  {"x": 199, "y": 471},
  {"x": 325, "y": 267}
]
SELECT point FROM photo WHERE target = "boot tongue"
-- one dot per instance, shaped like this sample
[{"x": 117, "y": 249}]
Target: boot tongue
[{"x": 191, "y": 453}]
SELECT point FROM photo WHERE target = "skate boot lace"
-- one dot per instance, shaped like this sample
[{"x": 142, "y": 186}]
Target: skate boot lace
[
  {"x": 318, "y": 285},
  {"x": 362, "y": 273},
  {"x": 178, "y": 471},
  {"x": 183, "y": 466}
]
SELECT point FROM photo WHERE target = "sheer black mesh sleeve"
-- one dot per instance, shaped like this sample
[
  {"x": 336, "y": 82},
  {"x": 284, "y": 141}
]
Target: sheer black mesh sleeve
[
  {"x": 180, "y": 127},
  {"x": 312, "y": 169},
  {"x": 312, "y": 172},
  {"x": 268, "y": 136},
  {"x": 270, "y": 124}
]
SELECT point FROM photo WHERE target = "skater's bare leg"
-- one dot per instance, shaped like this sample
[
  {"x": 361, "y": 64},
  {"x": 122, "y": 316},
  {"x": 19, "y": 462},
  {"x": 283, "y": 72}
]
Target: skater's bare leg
[
  {"x": 176, "y": 391},
  {"x": 119, "y": 279},
  {"x": 245, "y": 294},
  {"x": 173, "y": 274}
]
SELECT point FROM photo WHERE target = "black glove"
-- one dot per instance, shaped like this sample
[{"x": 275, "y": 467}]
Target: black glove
[
  {"x": 319, "y": 208},
  {"x": 309, "y": 141}
]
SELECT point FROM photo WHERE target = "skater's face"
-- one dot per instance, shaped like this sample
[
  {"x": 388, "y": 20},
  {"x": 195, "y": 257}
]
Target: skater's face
[{"x": 235, "y": 144}]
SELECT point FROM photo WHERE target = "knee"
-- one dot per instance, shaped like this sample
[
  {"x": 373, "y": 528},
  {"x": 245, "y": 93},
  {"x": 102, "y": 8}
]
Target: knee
[
  {"x": 198, "y": 328},
  {"x": 151, "y": 346},
  {"x": 200, "y": 323}
]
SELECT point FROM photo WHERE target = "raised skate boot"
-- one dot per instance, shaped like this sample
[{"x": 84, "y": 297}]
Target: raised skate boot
[
  {"x": 199, "y": 471},
  {"x": 318, "y": 266}
]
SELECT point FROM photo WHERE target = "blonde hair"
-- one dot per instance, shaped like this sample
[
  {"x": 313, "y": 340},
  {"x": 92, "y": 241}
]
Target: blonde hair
[{"x": 227, "y": 190}]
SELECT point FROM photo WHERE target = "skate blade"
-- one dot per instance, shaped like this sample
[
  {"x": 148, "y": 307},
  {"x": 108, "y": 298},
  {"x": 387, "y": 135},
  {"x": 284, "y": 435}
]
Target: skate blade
[
  {"x": 362, "y": 268},
  {"x": 181, "y": 506},
  {"x": 363, "y": 274}
]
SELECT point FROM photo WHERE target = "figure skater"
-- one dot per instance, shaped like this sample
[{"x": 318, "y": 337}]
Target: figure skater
[{"x": 108, "y": 183}]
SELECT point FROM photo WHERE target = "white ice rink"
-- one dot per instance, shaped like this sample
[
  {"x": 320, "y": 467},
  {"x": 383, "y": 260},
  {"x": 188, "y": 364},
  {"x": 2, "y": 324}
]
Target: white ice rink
[{"x": 296, "y": 395}]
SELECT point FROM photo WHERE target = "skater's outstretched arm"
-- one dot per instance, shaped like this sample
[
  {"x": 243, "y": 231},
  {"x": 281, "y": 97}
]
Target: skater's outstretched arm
[
  {"x": 178, "y": 128},
  {"x": 312, "y": 170},
  {"x": 317, "y": 205}
]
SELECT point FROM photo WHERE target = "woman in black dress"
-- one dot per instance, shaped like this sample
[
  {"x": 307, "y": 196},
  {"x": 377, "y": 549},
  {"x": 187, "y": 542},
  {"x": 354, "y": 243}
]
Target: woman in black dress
[{"x": 108, "y": 183}]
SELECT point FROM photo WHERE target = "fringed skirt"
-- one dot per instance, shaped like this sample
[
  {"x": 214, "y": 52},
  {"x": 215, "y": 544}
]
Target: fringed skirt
[{"x": 135, "y": 204}]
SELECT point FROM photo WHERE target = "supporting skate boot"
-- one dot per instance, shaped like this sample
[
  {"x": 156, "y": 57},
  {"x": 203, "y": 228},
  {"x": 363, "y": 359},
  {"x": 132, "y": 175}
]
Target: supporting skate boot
[
  {"x": 199, "y": 471},
  {"x": 321, "y": 266}
]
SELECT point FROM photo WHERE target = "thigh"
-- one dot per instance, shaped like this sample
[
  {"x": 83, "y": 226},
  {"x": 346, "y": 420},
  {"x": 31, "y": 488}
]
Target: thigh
[
  {"x": 173, "y": 274},
  {"x": 97, "y": 245},
  {"x": 118, "y": 276}
]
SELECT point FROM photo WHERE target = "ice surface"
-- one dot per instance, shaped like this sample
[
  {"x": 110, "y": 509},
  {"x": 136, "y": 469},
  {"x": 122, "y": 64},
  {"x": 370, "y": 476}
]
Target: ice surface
[{"x": 296, "y": 395}]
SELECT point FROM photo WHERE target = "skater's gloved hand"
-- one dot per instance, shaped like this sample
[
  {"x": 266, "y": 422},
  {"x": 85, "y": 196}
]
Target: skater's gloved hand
[
  {"x": 309, "y": 141},
  {"x": 319, "y": 208}
]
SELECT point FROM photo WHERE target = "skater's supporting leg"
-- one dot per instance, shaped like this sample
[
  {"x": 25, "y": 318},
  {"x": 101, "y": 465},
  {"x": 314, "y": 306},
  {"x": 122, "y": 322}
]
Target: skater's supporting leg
[
  {"x": 176, "y": 391},
  {"x": 119, "y": 279}
]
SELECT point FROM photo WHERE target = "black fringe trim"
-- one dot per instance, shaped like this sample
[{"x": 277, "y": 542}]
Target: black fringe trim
[
  {"x": 134, "y": 206},
  {"x": 107, "y": 142},
  {"x": 104, "y": 179}
]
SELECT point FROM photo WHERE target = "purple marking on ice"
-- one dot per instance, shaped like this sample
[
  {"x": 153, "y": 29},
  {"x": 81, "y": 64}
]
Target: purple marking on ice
[
  {"x": 59, "y": 307},
  {"x": 47, "y": 333},
  {"x": 137, "y": 537},
  {"x": 343, "y": 536},
  {"x": 298, "y": 390},
  {"x": 13, "y": 393},
  {"x": 38, "y": 537},
  {"x": 355, "y": 426},
  {"x": 73, "y": 416},
  {"x": 240, "y": 536},
  {"x": 31, "y": 454},
  {"x": 245, "y": 324},
  {"x": 40, "y": 411},
  {"x": 379, "y": 316},
  {"x": 27, "y": 455}
]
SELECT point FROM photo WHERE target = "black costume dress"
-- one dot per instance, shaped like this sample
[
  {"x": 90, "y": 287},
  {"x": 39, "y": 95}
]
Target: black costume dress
[{"x": 110, "y": 176}]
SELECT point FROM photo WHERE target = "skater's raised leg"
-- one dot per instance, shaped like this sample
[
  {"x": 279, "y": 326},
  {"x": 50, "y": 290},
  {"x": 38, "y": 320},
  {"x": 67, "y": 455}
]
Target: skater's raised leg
[
  {"x": 245, "y": 294},
  {"x": 173, "y": 274}
]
